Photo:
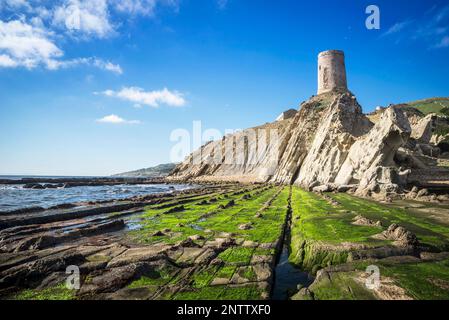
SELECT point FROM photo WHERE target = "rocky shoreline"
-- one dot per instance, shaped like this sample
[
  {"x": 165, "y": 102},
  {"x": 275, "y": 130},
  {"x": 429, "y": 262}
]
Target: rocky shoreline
[
  {"x": 54, "y": 183},
  {"x": 222, "y": 241},
  {"x": 36, "y": 247}
]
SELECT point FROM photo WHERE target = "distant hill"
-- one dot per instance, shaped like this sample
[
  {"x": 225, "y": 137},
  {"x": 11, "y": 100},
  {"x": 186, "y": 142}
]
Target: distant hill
[
  {"x": 161, "y": 170},
  {"x": 439, "y": 106}
]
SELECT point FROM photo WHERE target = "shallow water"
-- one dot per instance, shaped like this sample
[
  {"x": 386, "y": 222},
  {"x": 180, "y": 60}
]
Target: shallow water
[
  {"x": 287, "y": 278},
  {"x": 14, "y": 197}
]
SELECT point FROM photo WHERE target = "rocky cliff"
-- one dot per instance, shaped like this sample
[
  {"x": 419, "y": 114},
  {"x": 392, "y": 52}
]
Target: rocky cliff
[{"x": 328, "y": 145}]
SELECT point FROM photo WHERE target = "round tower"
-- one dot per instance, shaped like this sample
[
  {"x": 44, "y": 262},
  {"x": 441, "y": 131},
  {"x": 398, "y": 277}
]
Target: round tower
[{"x": 331, "y": 71}]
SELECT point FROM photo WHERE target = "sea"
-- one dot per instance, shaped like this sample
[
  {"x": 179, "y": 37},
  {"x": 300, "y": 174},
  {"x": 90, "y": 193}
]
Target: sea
[{"x": 13, "y": 197}]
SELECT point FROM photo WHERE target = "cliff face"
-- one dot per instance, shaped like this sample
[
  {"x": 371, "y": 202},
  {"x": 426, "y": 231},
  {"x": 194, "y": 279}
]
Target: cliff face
[
  {"x": 250, "y": 155},
  {"x": 328, "y": 144}
]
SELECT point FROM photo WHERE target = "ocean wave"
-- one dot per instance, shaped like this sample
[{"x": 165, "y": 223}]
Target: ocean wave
[{"x": 14, "y": 197}]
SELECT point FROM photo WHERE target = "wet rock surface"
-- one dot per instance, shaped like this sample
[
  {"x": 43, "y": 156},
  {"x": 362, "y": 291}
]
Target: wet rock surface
[
  {"x": 400, "y": 236},
  {"x": 118, "y": 263},
  {"x": 224, "y": 244},
  {"x": 342, "y": 238}
]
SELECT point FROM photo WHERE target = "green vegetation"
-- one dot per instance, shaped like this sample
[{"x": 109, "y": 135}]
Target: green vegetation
[
  {"x": 227, "y": 241},
  {"x": 159, "y": 278},
  {"x": 428, "y": 231},
  {"x": 182, "y": 224},
  {"x": 211, "y": 219},
  {"x": 253, "y": 216},
  {"x": 226, "y": 272},
  {"x": 59, "y": 292},
  {"x": 250, "y": 292},
  {"x": 433, "y": 105},
  {"x": 322, "y": 234},
  {"x": 442, "y": 130},
  {"x": 238, "y": 255},
  {"x": 342, "y": 286},
  {"x": 423, "y": 281},
  {"x": 319, "y": 230},
  {"x": 445, "y": 111},
  {"x": 203, "y": 278}
]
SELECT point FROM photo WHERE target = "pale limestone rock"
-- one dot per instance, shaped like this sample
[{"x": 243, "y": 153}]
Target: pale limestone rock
[
  {"x": 342, "y": 123},
  {"x": 323, "y": 188},
  {"x": 290, "y": 113},
  {"x": 370, "y": 160},
  {"x": 328, "y": 145},
  {"x": 423, "y": 129}
]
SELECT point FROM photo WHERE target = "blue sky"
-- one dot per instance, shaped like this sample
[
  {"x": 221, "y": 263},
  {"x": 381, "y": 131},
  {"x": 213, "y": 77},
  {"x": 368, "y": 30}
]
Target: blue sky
[{"x": 96, "y": 87}]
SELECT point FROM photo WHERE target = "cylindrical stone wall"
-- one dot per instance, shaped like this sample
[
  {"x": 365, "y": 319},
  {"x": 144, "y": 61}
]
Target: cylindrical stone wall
[{"x": 331, "y": 71}]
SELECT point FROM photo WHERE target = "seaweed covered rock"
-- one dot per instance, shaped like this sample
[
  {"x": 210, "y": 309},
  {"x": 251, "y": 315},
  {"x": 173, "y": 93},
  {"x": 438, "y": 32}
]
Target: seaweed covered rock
[{"x": 400, "y": 235}]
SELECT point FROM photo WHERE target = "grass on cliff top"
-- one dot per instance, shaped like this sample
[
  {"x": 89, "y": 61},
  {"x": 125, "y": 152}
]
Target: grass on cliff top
[{"x": 432, "y": 105}]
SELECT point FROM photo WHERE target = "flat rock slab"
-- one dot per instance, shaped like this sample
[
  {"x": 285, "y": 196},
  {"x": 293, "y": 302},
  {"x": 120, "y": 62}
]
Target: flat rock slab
[
  {"x": 133, "y": 255},
  {"x": 189, "y": 255}
]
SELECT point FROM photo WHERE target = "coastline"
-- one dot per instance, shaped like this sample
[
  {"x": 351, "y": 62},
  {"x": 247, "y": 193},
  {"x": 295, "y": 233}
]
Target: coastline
[{"x": 220, "y": 241}]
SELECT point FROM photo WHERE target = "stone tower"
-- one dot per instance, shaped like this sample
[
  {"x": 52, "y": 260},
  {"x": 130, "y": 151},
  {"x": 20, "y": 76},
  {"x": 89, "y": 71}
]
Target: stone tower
[{"x": 331, "y": 71}]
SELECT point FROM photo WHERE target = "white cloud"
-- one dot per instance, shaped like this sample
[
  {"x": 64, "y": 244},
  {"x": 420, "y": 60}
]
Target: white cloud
[
  {"x": 150, "y": 98},
  {"x": 86, "y": 17},
  {"x": 30, "y": 37},
  {"x": 15, "y": 4},
  {"x": 7, "y": 62},
  {"x": 107, "y": 65},
  {"x": 142, "y": 7},
  {"x": 94, "y": 62},
  {"x": 30, "y": 46},
  {"x": 26, "y": 45},
  {"x": 431, "y": 28},
  {"x": 92, "y": 17},
  {"x": 114, "y": 119},
  {"x": 399, "y": 26}
]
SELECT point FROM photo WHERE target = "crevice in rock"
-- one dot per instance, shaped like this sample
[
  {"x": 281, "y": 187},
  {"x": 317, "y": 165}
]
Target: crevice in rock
[{"x": 287, "y": 277}]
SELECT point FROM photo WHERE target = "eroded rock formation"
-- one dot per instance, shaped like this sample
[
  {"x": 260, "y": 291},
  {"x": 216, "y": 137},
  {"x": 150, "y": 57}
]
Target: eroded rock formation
[{"x": 329, "y": 144}]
